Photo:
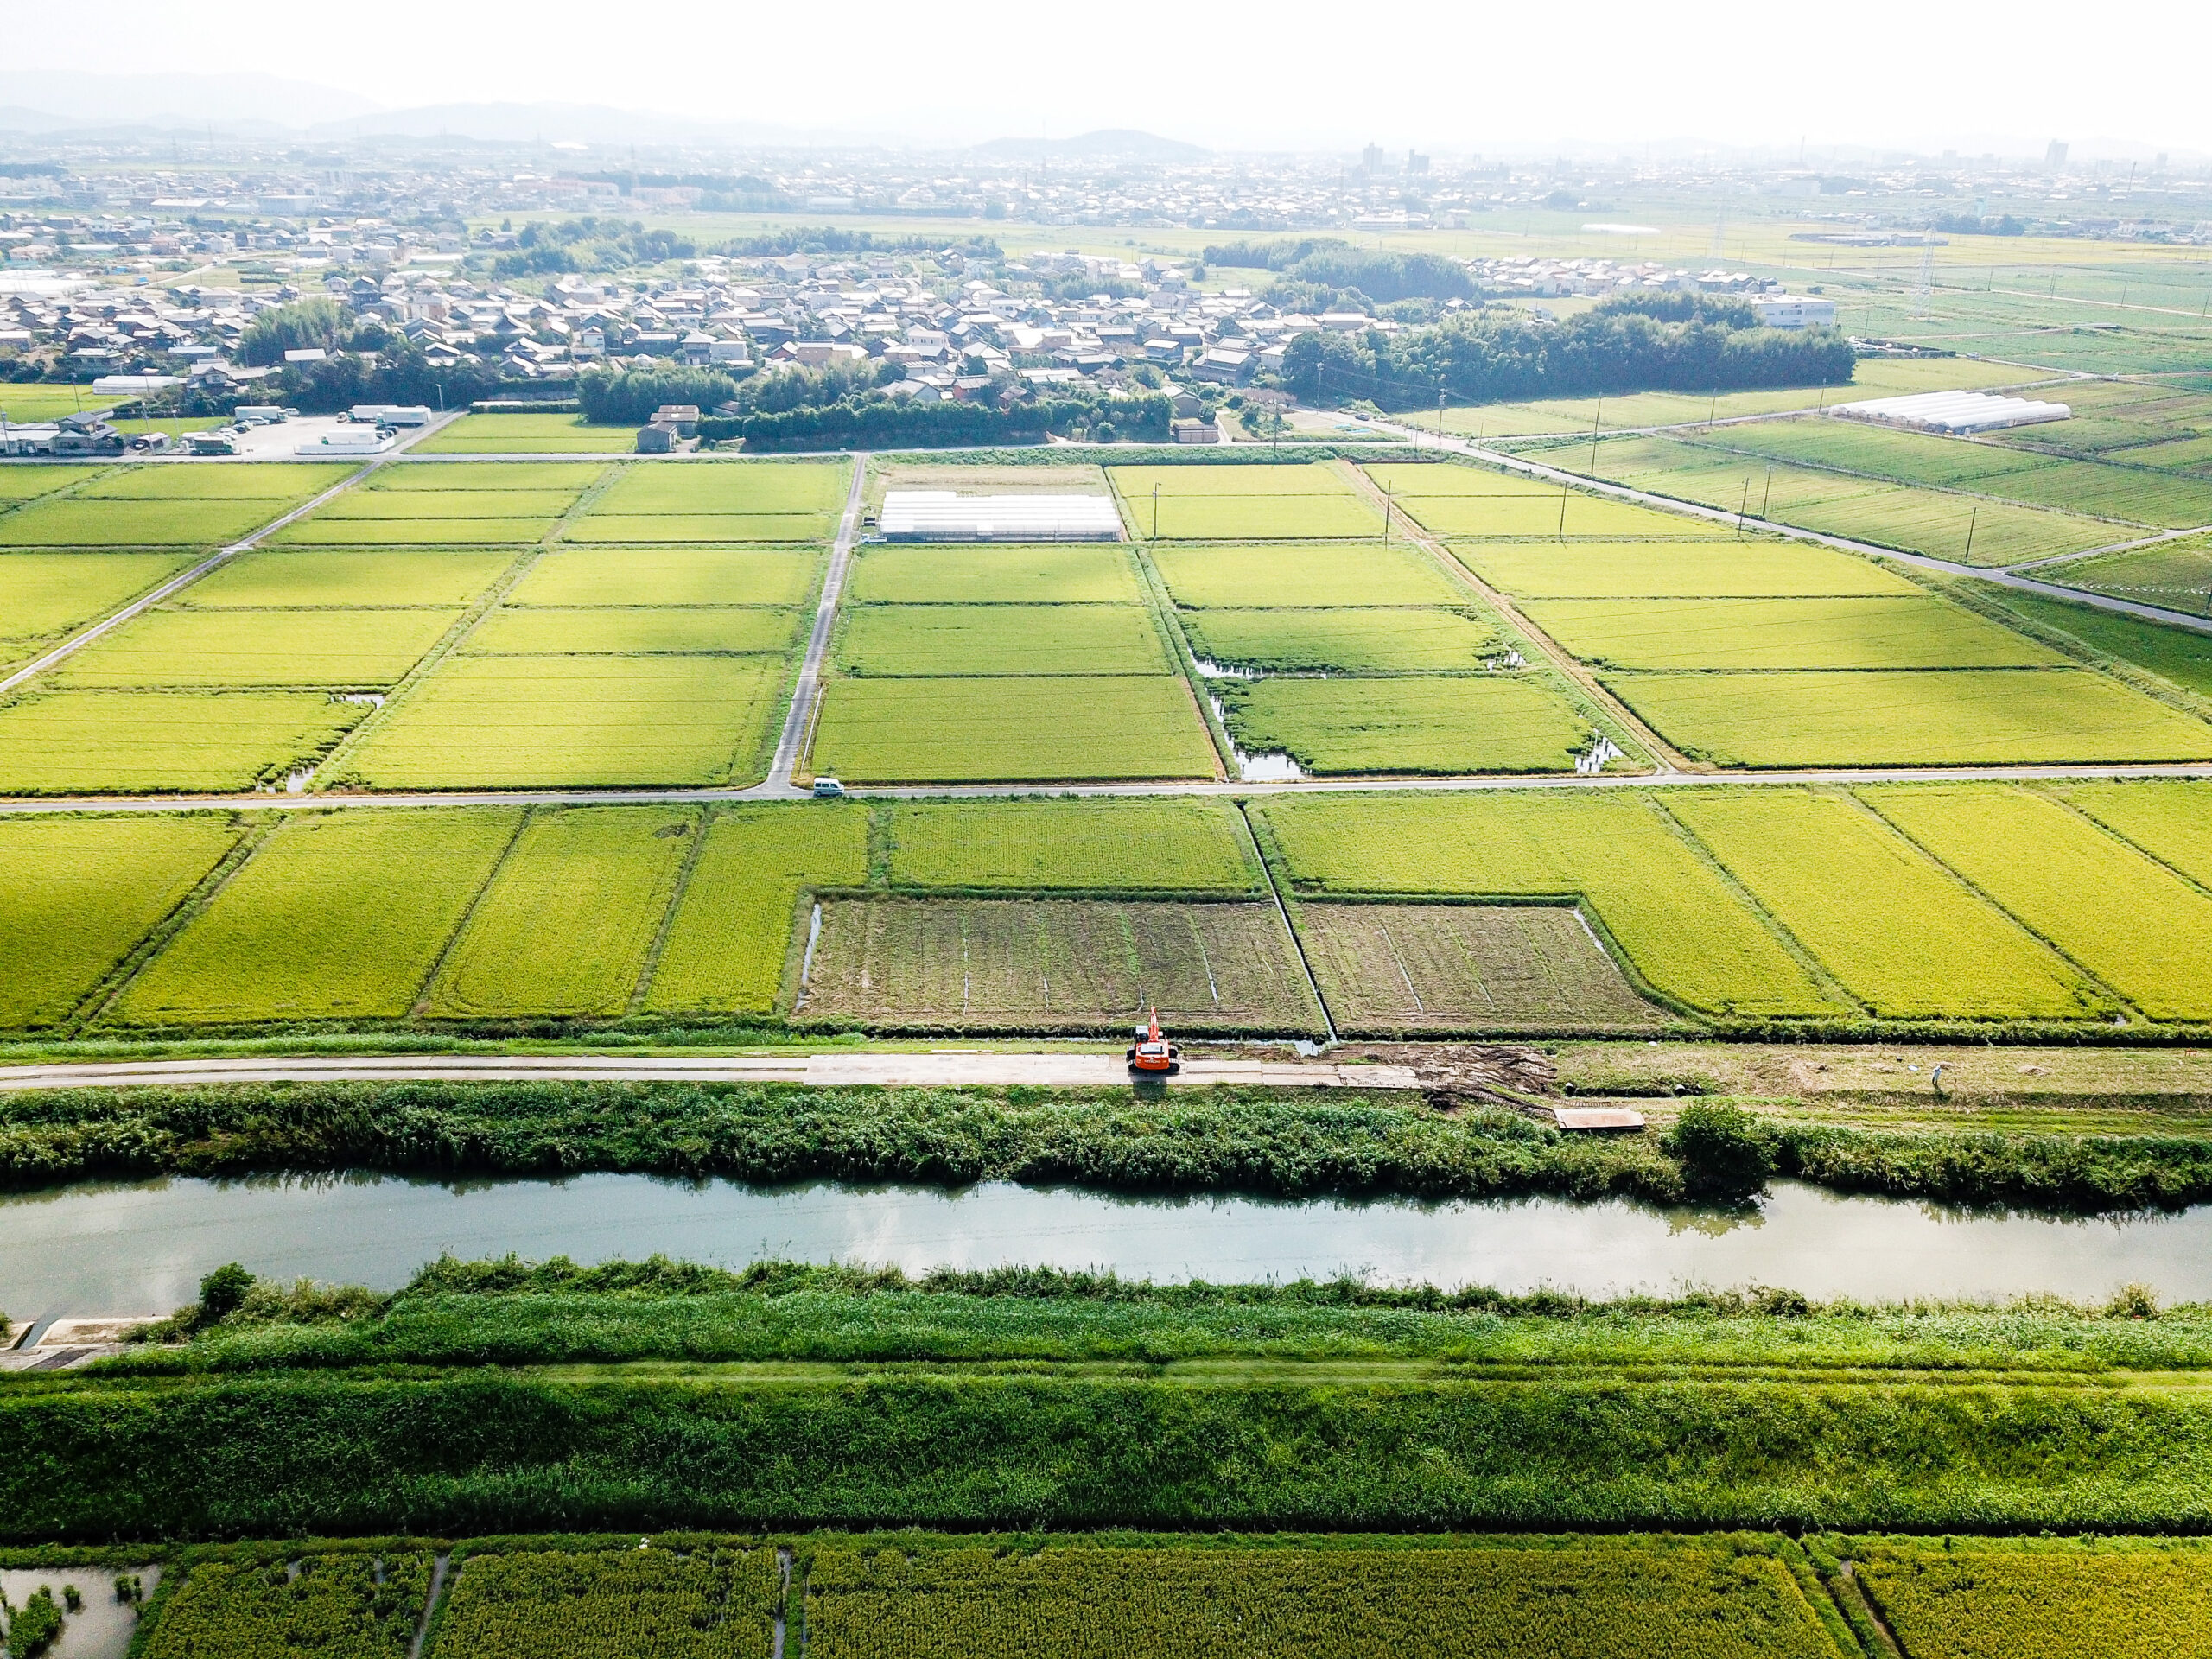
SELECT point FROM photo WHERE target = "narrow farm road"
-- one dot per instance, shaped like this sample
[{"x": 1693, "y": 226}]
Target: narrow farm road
[
  {"x": 780, "y": 785},
  {"x": 949, "y": 1069}
]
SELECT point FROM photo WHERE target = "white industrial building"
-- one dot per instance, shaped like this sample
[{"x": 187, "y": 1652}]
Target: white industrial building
[
  {"x": 1955, "y": 412},
  {"x": 945, "y": 516},
  {"x": 1793, "y": 311}
]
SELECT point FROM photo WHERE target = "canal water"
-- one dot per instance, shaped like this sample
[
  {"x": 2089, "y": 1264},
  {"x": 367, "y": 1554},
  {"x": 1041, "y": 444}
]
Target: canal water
[{"x": 140, "y": 1248}]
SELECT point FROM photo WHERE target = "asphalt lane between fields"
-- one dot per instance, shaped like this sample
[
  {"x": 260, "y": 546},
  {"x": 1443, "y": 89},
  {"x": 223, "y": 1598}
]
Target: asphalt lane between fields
[{"x": 976, "y": 1068}]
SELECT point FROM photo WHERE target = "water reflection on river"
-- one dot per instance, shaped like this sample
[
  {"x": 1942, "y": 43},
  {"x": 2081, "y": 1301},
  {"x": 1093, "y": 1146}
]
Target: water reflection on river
[{"x": 141, "y": 1247}]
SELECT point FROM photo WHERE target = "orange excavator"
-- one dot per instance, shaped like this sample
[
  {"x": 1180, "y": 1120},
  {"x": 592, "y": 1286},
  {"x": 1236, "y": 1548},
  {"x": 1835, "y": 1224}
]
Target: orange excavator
[{"x": 1152, "y": 1054}]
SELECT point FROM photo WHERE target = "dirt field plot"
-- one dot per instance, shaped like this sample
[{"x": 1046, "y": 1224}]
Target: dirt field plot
[
  {"x": 660, "y": 576},
  {"x": 508, "y": 961},
  {"x": 1750, "y": 568},
  {"x": 337, "y": 916},
  {"x": 1066, "y": 573},
  {"x": 77, "y": 894},
  {"x": 906, "y": 640},
  {"x": 1920, "y": 631},
  {"x": 1910, "y": 719},
  {"x": 1018, "y": 730},
  {"x": 282, "y": 581},
  {"x": 95, "y": 742},
  {"x": 1056, "y": 962},
  {"x": 1446, "y": 724},
  {"x": 70, "y": 522},
  {"x": 277, "y": 483},
  {"x": 727, "y": 486},
  {"x": 1355, "y": 641},
  {"x": 1389, "y": 968},
  {"x": 357, "y": 650},
  {"x": 1285, "y": 576},
  {"x": 44, "y": 597},
  {"x": 527, "y": 434},
  {"x": 679, "y": 629},
  {"x": 510, "y": 722}
]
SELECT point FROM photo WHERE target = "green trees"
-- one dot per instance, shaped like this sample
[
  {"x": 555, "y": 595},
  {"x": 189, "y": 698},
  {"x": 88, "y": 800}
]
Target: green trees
[{"x": 303, "y": 324}]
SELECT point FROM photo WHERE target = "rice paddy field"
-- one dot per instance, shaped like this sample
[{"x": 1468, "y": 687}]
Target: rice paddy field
[
  {"x": 664, "y": 575},
  {"x": 1035, "y": 728},
  {"x": 2180, "y": 655},
  {"x": 1345, "y": 641},
  {"x": 1113, "y": 846},
  {"x": 1303, "y": 501},
  {"x": 344, "y": 648},
  {"x": 526, "y": 435},
  {"x": 1987, "y": 716},
  {"x": 1317, "y": 577},
  {"x": 910, "y": 641},
  {"x": 1900, "y": 633},
  {"x": 1067, "y": 572},
  {"x": 96, "y": 741},
  {"x": 1440, "y": 723},
  {"x": 1740, "y": 568},
  {"x": 46, "y": 597},
  {"x": 1053, "y": 963},
  {"x": 1977, "y": 528},
  {"x": 2174, "y": 576}
]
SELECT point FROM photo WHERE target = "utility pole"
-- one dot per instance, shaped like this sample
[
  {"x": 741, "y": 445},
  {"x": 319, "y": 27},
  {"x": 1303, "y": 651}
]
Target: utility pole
[
  {"x": 1562, "y": 511},
  {"x": 1971, "y": 518},
  {"x": 1439, "y": 415},
  {"x": 1155, "y": 512},
  {"x": 1386, "y": 515},
  {"x": 1766, "y": 494},
  {"x": 1742, "y": 506},
  {"x": 1595, "y": 422}
]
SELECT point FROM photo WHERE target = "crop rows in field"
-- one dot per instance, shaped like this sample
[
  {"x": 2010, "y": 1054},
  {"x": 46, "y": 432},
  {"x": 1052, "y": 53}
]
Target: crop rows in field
[
  {"x": 46, "y": 597},
  {"x": 2174, "y": 576},
  {"x": 1990, "y": 1598},
  {"x": 924, "y": 641},
  {"x": 362, "y": 650},
  {"x": 1623, "y": 1599},
  {"x": 1437, "y": 724},
  {"x": 656, "y": 1604},
  {"x": 1408, "y": 968},
  {"x": 1035, "y": 728},
  {"x": 1369, "y": 641},
  {"x": 990, "y": 963},
  {"x": 526, "y": 435},
  {"x": 1918, "y": 519},
  {"x": 96, "y": 741},
  {"x": 359, "y": 1604}
]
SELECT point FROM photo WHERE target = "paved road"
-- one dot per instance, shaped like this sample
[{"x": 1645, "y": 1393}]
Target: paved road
[
  {"x": 949, "y": 1069},
  {"x": 779, "y": 783}
]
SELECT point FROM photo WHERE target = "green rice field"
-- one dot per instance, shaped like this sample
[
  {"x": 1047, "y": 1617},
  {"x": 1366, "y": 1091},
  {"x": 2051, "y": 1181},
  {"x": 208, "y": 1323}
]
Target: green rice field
[
  {"x": 44, "y": 597},
  {"x": 1923, "y": 631},
  {"x": 1983, "y": 716},
  {"x": 511, "y": 722},
  {"x": 104, "y": 742},
  {"x": 1226, "y": 503},
  {"x": 923, "y": 640},
  {"x": 70, "y": 522},
  {"x": 657, "y": 1603},
  {"x": 1162, "y": 846},
  {"x": 648, "y": 528},
  {"x": 29, "y": 483},
  {"x": 341, "y": 579},
  {"x": 635, "y": 630},
  {"x": 732, "y": 932},
  {"x": 77, "y": 894},
  {"x": 1258, "y": 479},
  {"x": 571, "y": 478},
  {"x": 1899, "y": 932},
  {"x": 659, "y": 575},
  {"x": 2067, "y": 879},
  {"x": 2180, "y": 655},
  {"x": 1752, "y": 566},
  {"x": 274, "y": 481},
  {"x": 440, "y": 505},
  {"x": 728, "y": 486},
  {"x": 2174, "y": 576},
  {"x": 508, "y": 961},
  {"x": 1243, "y": 577},
  {"x": 1673, "y": 919},
  {"x": 2067, "y": 1599},
  {"x": 321, "y": 529},
  {"x": 1446, "y": 723},
  {"x": 1067, "y": 572},
  {"x": 349, "y": 649},
  {"x": 358, "y": 1603},
  {"x": 1560, "y": 514},
  {"x": 520, "y": 434},
  {"x": 1350, "y": 641},
  {"x": 336, "y": 916},
  {"x": 2166, "y": 820},
  {"x": 1035, "y": 730}
]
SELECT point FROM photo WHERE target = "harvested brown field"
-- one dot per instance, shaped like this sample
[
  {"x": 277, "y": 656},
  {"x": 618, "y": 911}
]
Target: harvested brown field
[
  {"x": 1056, "y": 964},
  {"x": 1394, "y": 967}
]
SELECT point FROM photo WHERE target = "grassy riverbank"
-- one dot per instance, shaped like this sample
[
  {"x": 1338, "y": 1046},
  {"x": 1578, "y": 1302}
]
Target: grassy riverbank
[
  {"x": 1291, "y": 1143},
  {"x": 499, "y": 1397}
]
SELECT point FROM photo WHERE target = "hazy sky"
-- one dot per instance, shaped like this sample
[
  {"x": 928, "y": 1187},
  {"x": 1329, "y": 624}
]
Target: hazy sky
[{"x": 1447, "y": 75}]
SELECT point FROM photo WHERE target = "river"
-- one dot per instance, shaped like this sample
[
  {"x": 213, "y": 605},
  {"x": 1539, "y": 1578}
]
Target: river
[{"x": 141, "y": 1247}]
